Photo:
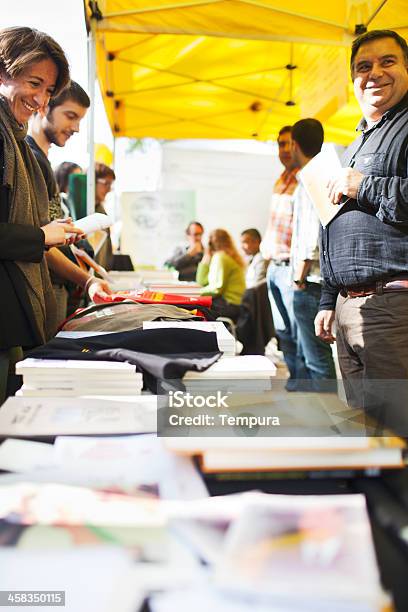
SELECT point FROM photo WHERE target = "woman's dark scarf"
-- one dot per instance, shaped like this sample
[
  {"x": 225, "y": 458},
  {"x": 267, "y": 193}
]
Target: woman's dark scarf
[{"x": 28, "y": 206}]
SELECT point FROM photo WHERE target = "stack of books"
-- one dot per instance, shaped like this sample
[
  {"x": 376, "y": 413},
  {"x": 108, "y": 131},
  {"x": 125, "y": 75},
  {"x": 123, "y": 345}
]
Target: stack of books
[
  {"x": 226, "y": 341},
  {"x": 70, "y": 378},
  {"x": 246, "y": 367},
  {"x": 285, "y": 454},
  {"x": 243, "y": 374}
]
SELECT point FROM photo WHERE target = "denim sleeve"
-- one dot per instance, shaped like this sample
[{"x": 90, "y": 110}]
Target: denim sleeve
[
  {"x": 328, "y": 298},
  {"x": 388, "y": 196}
]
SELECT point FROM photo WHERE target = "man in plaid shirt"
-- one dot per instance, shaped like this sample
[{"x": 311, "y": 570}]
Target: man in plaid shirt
[{"x": 275, "y": 247}]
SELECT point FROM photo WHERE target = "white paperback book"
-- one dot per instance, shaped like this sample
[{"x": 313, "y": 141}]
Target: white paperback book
[
  {"x": 69, "y": 378},
  {"x": 245, "y": 367},
  {"x": 28, "y": 391},
  {"x": 54, "y": 366},
  {"x": 28, "y": 417}
]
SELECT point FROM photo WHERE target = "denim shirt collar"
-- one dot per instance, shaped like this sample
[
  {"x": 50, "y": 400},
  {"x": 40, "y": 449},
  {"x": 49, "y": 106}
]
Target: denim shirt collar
[{"x": 403, "y": 103}]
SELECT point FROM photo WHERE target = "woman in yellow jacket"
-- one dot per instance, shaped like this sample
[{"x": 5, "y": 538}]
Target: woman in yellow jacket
[{"x": 221, "y": 273}]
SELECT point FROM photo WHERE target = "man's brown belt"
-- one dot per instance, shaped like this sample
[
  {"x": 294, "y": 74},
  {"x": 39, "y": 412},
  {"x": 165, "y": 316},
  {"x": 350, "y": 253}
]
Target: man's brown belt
[{"x": 377, "y": 288}]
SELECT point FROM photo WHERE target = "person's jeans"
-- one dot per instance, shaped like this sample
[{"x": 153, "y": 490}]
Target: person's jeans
[
  {"x": 279, "y": 279},
  {"x": 317, "y": 354}
]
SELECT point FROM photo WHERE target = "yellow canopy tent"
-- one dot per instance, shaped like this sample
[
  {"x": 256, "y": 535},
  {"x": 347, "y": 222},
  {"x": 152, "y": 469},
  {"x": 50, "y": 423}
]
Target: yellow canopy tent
[{"x": 228, "y": 68}]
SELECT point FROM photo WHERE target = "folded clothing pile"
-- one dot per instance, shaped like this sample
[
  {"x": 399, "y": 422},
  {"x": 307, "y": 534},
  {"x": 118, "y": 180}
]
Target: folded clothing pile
[
  {"x": 125, "y": 316},
  {"x": 225, "y": 339},
  {"x": 159, "y": 354}
]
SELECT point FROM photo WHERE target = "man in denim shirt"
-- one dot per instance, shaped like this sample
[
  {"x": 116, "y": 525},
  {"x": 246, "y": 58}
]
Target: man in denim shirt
[{"x": 364, "y": 249}]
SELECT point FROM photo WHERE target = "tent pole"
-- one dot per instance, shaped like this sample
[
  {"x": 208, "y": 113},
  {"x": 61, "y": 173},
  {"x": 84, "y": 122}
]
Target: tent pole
[
  {"x": 114, "y": 152},
  {"x": 90, "y": 182}
]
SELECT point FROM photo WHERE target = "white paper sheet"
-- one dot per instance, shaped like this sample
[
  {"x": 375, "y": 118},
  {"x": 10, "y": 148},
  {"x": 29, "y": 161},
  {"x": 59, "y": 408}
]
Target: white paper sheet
[{"x": 314, "y": 177}]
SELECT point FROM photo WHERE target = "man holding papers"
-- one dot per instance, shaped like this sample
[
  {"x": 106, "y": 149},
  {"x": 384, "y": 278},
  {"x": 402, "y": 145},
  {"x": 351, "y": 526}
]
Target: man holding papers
[
  {"x": 59, "y": 121},
  {"x": 307, "y": 140},
  {"x": 365, "y": 247}
]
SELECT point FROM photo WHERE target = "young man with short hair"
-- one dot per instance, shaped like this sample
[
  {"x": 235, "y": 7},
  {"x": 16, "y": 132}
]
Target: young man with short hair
[
  {"x": 55, "y": 126},
  {"x": 307, "y": 140},
  {"x": 257, "y": 265}
]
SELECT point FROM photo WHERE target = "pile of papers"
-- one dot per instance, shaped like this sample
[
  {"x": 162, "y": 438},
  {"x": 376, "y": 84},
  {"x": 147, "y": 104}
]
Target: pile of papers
[
  {"x": 252, "y": 544},
  {"x": 51, "y": 522},
  {"x": 129, "y": 464},
  {"x": 303, "y": 553},
  {"x": 226, "y": 341},
  {"x": 70, "y": 378},
  {"x": 281, "y": 552}
]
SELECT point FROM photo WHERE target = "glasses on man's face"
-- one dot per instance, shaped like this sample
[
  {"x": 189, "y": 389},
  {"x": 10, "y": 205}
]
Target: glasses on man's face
[{"x": 196, "y": 234}]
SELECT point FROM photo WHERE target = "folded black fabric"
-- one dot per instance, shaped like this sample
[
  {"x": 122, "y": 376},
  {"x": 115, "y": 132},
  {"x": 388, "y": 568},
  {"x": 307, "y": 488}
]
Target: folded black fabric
[
  {"x": 160, "y": 354},
  {"x": 158, "y": 341}
]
